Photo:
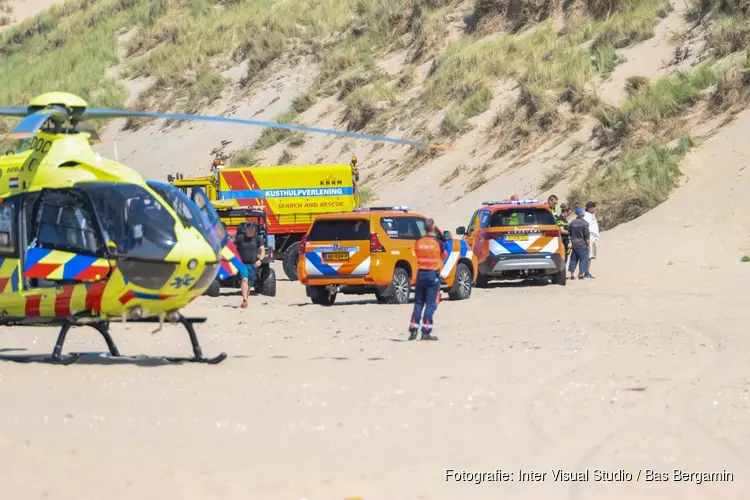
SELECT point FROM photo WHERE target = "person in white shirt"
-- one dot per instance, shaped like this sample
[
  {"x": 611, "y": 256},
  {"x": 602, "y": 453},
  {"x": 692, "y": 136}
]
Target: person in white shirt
[{"x": 590, "y": 217}]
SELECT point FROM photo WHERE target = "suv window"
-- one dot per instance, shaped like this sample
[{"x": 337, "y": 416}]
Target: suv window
[
  {"x": 522, "y": 217},
  {"x": 484, "y": 216},
  {"x": 403, "y": 228},
  {"x": 340, "y": 229}
]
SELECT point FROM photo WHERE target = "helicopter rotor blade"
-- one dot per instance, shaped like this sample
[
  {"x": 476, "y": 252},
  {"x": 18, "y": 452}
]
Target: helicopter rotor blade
[
  {"x": 14, "y": 111},
  {"x": 30, "y": 124},
  {"x": 90, "y": 113}
]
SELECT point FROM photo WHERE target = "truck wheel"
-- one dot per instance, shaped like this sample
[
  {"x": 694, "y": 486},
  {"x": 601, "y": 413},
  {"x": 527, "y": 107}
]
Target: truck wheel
[
  {"x": 559, "y": 278},
  {"x": 213, "y": 289},
  {"x": 291, "y": 258},
  {"x": 268, "y": 282},
  {"x": 461, "y": 288},
  {"x": 320, "y": 296},
  {"x": 400, "y": 287}
]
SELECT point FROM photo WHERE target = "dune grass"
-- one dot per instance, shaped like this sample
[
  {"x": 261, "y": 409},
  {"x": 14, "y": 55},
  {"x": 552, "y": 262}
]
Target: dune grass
[
  {"x": 636, "y": 182},
  {"x": 646, "y": 170},
  {"x": 68, "y": 48},
  {"x": 555, "y": 63},
  {"x": 729, "y": 28},
  {"x": 653, "y": 106}
]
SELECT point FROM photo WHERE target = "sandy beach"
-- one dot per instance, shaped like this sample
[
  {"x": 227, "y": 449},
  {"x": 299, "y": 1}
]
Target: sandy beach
[{"x": 325, "y": 403}]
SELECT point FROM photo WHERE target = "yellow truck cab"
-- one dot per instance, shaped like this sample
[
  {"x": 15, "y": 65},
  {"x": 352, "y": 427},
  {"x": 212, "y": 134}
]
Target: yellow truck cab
[{"x": 291, "y": 196}]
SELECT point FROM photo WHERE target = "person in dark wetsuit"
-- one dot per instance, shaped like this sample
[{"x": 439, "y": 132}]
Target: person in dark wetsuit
[
  {"x": 562, "y": 221},
  {"x": 252, "y": 252},
  {"x": 430, "y": 252}
]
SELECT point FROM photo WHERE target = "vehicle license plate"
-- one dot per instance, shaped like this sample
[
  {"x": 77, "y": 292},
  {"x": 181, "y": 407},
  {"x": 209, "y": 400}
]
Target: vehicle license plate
[{"x": 336, "y": 256}]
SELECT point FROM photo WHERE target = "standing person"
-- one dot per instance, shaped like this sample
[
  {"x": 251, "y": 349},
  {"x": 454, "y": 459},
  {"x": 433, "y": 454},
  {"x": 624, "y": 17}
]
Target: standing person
[
  {"x": 552, "y": 204},
  {"x": 252, "y": 252},
  {"x": 430, "y": 252},
  {"x": 579, "y": 239},
  {"x": 562, "y": 221},
  {"x": 590, "y": 217}
]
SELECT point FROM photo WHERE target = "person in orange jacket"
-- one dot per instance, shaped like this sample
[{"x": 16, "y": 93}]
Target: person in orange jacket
[{"x": 431, "y": 254}]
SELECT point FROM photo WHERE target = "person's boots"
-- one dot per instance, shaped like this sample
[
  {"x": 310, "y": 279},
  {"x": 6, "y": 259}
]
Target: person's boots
[
  {"x": 427, "y": 336},
  {"x": 413, "y": 333}
]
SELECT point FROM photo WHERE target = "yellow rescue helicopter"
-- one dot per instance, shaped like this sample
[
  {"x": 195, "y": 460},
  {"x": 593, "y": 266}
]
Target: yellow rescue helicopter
[{"x": 85, "y": 240}]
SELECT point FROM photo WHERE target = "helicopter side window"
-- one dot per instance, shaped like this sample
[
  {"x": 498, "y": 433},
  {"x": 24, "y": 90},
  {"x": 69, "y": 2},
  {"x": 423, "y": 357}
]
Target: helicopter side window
[
  {"x": 8, "y": 240},
  {"x": 64, "y": 224},
  {"x": 133, "y": 220}
]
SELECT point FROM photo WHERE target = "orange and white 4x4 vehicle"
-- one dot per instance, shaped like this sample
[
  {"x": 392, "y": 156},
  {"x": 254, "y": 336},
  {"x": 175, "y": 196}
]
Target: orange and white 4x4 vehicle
[
  {"x": 515, "y": 240},
  {"x": 371, "y": 250}
]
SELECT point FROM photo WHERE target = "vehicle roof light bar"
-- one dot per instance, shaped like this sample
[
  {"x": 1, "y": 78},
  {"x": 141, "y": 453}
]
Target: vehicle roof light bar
[
  {"x": 399, "y": 208},
  {"x": 510, "y": 202}
]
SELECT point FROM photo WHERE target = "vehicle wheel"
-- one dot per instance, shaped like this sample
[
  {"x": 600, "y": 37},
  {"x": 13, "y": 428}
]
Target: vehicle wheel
[
  {"x": 461, "y": 288},
  {"x": 400, "y": 287},
  {"x": 291, "y": 258},
  {"x": 213, "y": 289},
  {"x": 320, "y": 296},
  {"x": 268, "y": 282},
  {"x": 482, "y": 281},
  {"x": 559, "y": 278}
]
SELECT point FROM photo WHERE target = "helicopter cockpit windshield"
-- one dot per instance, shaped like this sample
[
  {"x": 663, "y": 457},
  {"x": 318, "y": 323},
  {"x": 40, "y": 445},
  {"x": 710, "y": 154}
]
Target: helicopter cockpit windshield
[
  {"x": 204, "y": 219},
  {"x": 210, "y": 216},
  {"x": 132, "y": 219}
]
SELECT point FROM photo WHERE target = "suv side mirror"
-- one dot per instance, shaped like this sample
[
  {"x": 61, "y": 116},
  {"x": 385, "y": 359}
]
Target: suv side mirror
[
  {"x": 460, "y": 230},
  {"x": 447, "y": 235}
]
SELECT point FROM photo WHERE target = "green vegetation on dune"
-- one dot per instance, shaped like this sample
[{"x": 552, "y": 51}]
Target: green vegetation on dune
[
  {"x": 65, "y": 48},
  {"x": 729, "y": 29},
  {"x": 554, "y": 57},
  {"x": 555, "y": 66},
  {"x": 649, "y": 129}
]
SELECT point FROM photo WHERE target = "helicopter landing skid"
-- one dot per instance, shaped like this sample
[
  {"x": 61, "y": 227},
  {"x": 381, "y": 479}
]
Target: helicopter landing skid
[{"x": 103, "y": 328}]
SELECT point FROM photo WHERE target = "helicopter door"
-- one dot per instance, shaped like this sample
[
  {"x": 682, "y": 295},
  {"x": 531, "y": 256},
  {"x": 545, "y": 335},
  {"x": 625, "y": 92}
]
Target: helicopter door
[{"x": 66, "y": 244}]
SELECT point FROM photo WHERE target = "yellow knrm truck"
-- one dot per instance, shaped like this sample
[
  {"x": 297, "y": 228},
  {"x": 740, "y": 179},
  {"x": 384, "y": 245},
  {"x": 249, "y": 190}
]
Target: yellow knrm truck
[{"x": 291, "y": 196}]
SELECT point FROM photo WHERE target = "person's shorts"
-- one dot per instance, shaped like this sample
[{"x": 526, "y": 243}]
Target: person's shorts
[
  {"x": 247, "y": 271},
  {"x": 594, "y": 249}
]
